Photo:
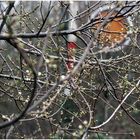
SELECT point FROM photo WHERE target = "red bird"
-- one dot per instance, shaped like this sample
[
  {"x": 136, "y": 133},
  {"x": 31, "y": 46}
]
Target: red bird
[{"x": 71, "y": 49}]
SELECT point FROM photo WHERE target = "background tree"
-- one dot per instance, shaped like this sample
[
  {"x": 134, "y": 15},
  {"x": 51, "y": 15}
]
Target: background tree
[{"x": 50, "y": 88}]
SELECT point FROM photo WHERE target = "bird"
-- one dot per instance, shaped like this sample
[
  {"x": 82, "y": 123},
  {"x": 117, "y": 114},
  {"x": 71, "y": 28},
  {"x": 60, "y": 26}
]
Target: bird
[
  {"x": 71, "y": 50},
  {"x": 114, "y": 32}
]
